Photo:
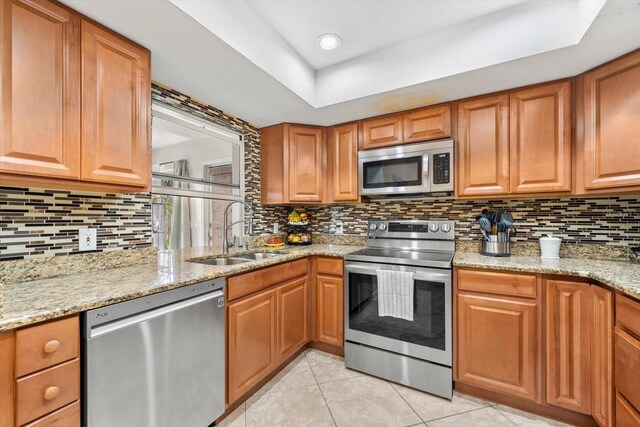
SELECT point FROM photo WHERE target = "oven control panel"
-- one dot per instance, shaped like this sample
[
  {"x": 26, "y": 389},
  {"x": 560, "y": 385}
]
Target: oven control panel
[{"x": 412, "y": 229}]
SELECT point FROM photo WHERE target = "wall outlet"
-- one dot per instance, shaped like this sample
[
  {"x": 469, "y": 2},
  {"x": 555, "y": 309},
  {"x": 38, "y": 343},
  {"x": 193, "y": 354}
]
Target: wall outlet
[{"x": 87, "y": 239}]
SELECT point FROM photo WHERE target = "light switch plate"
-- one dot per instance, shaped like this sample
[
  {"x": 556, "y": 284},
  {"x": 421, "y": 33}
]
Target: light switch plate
[{"x": 87, "y": 239}]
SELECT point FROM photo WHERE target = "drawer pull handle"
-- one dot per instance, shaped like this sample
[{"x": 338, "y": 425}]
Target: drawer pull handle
[
  {"x": 51, "y": 393},
  {"x": 51, "y": 346}
]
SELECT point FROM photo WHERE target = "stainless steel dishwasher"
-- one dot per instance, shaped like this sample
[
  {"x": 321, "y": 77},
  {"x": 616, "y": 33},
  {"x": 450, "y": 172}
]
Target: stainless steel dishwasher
[{"x": 156, "y": 361}]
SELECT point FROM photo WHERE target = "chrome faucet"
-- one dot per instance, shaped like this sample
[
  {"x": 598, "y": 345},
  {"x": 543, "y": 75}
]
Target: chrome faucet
[{"x": 248, "y": 221}]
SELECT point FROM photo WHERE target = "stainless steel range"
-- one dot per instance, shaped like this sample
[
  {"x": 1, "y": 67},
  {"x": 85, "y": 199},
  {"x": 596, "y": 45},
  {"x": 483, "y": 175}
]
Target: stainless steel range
[{"x": 398, "y": 304}]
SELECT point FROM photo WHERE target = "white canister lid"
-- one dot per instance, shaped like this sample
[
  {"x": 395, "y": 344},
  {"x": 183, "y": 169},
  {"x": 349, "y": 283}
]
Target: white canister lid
[{"x": 550, "y": 238}]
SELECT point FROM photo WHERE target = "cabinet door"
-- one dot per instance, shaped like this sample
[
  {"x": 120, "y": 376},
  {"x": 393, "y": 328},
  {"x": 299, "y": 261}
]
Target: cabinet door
[
  {"x": 427, "y": 123},
  {"x": 343, "y": 163},
  {"x": 330, "y": 310},
  {"x": 293, "y": 317},
  {"x": 611, "y": 125},
  {"x": 483, "y": 146},
  {"x": 507, "y": 361},
  {"x": 305, "y": 159},
  {"x": 602, "y": 357},
  {"x": 568, "y": 344},
  {"x": 116, "y": 108},
  {"x": 251, "y": 347},
  {"x": 540, "y": 141},
  {"x": 40, "y": 73},
  {"x": 383, "y": 132}
]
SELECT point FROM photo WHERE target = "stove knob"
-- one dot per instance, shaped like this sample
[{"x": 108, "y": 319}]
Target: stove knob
[
  {"x": 433, "y": 227},
  {"x": 373, "y": 227},
  {"x": 446, "y": 228},
  {"x": 382, "y": 227}
]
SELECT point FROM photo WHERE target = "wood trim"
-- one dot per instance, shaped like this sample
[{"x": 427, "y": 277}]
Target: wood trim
[
  {"x": 602, "y": 393},
  {"x": 7, "y": 379},
  {"x": 548, "y": 411},
  {"x": 327, "y": 348}
]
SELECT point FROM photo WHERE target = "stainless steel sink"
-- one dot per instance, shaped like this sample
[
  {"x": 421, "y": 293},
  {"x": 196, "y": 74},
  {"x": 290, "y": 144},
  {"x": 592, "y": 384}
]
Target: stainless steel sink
[
  {"x": 257, "y": 256},
  {"x": 222, "y": 261}
]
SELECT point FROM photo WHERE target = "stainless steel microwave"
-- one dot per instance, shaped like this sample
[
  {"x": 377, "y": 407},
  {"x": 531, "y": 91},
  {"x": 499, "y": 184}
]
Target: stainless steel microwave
[{"x": 424, "y": 169}]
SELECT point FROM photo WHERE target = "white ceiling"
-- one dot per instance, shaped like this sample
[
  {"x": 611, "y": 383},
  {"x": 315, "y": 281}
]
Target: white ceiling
[
  {"x": 364, "y": 25},
  {"x": 256, "y": 59}
]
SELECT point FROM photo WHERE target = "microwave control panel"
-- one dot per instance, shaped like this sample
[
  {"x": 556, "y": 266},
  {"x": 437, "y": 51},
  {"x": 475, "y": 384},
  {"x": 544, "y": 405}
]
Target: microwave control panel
[{"x": 441, "y": 172}]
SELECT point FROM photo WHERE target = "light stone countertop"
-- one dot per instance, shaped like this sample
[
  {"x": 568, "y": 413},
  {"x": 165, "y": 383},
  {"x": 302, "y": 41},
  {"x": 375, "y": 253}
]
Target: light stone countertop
[
  {"x": 28, "y": 302},
  {"x": 25, "y": 303},
  {"x": 623, "y": 276}
]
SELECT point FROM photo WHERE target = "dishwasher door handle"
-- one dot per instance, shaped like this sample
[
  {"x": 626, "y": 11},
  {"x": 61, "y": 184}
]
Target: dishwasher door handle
[{"x": 106, "y": 328}]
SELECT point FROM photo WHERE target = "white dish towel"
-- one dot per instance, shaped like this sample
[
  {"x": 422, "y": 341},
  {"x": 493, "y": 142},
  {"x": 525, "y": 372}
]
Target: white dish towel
[{"x": 395, "y": 294}]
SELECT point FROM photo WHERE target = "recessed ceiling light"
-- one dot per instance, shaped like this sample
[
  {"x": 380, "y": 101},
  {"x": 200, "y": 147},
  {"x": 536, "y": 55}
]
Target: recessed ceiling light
[{"x": 328, "y": 41}]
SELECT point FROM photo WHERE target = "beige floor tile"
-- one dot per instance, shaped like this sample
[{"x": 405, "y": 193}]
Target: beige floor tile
[
  {"x": 430, "y": 407},
  {"x": 525, "y": 419},
  {"x": 295, "y": 375},
  {"x": 485, "y": 417},
  {"x": 367, "y": 401},
  {"x": 328, "y": 367},
  {"x": 295, "y": 408},
  {"x": 235, "y": 419}
]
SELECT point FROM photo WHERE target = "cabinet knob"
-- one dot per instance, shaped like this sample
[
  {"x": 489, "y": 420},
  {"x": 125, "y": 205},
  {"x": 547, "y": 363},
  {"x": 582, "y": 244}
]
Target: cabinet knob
[
  {"x": 51, "y": 346},
  {"x": 51, "y": 392}
]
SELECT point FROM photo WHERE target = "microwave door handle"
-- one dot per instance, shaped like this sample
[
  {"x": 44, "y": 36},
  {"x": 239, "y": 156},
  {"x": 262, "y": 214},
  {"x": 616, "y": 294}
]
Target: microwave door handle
[{"x": 426, "y": 172}]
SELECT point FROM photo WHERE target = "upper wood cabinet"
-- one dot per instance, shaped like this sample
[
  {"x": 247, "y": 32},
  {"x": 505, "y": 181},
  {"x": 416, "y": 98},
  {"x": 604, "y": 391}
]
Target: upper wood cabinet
[
  {"x": 483, "y": 146},
  {"x": 343, "y": 163},
  {"x": 611, "y": 102},
  {"x": 540, "y": 140},
  {"x": 382, "y": 132},
  {"x": 76, "y": 100},
  {"x": 116, "y": 103},
  {"x": 427, "y": 123},
  {"x": 292, "y": 159},
  {"x": 40, "y": 71}
]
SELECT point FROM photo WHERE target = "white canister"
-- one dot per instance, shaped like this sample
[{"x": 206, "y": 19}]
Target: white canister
[{"x": 550, "y": 247}]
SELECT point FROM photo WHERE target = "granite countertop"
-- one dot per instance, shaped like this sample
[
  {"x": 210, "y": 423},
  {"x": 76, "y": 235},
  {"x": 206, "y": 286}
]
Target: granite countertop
[
  {"x": 620, "y": 275},
  {"x": 25, "y": 303}
]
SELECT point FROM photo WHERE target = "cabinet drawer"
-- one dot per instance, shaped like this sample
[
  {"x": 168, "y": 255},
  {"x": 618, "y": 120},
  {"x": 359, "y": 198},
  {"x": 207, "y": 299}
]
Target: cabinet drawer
[
  {"x": 69, "y": 416},
  {"x": 245, "y": 284},
  {"x": 628, "y": 314},
  {"x": 41, "y": 346},
  {"x": 46, "y": 391},
  {"x": 627, "y": 367},
  {"x": 491, "y": 282},
  {"x": 331, "y": 266},
  {"x": 626, "y": 415}
]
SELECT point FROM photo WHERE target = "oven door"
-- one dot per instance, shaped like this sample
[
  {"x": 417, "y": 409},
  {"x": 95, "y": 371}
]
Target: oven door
[
  {"x": 427, "y": 337},
  {"x": 394, "y": 173}
]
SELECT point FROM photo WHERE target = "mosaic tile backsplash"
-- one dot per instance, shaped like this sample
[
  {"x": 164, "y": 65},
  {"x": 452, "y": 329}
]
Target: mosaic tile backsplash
[
  {"x": 603, "y": 220},
  {"x": 36, "y": 223}
]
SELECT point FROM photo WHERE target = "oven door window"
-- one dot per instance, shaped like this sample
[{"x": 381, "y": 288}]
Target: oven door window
[
  {"x": 405, "y": 172},
  {"x": 428, "y": 326}
]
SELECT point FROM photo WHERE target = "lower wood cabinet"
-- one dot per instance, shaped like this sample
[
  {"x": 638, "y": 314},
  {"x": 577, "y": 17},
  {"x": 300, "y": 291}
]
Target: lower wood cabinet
[
  {"x": 500, "y": 346},
  {"x": 293, "y": 316},
  {"x": 252, "y": 337},
  {"x": 627, "y": 361},
  {"x": 330, "y": 310},
  {"x": 40, "y": 375},
  {"x": 497, "y": 344},
  {"x": 268, "y": 320}
]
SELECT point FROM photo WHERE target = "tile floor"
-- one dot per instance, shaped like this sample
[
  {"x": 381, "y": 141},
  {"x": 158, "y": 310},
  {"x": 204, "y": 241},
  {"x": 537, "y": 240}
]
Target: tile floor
[{"x": 317, "y": 390}]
